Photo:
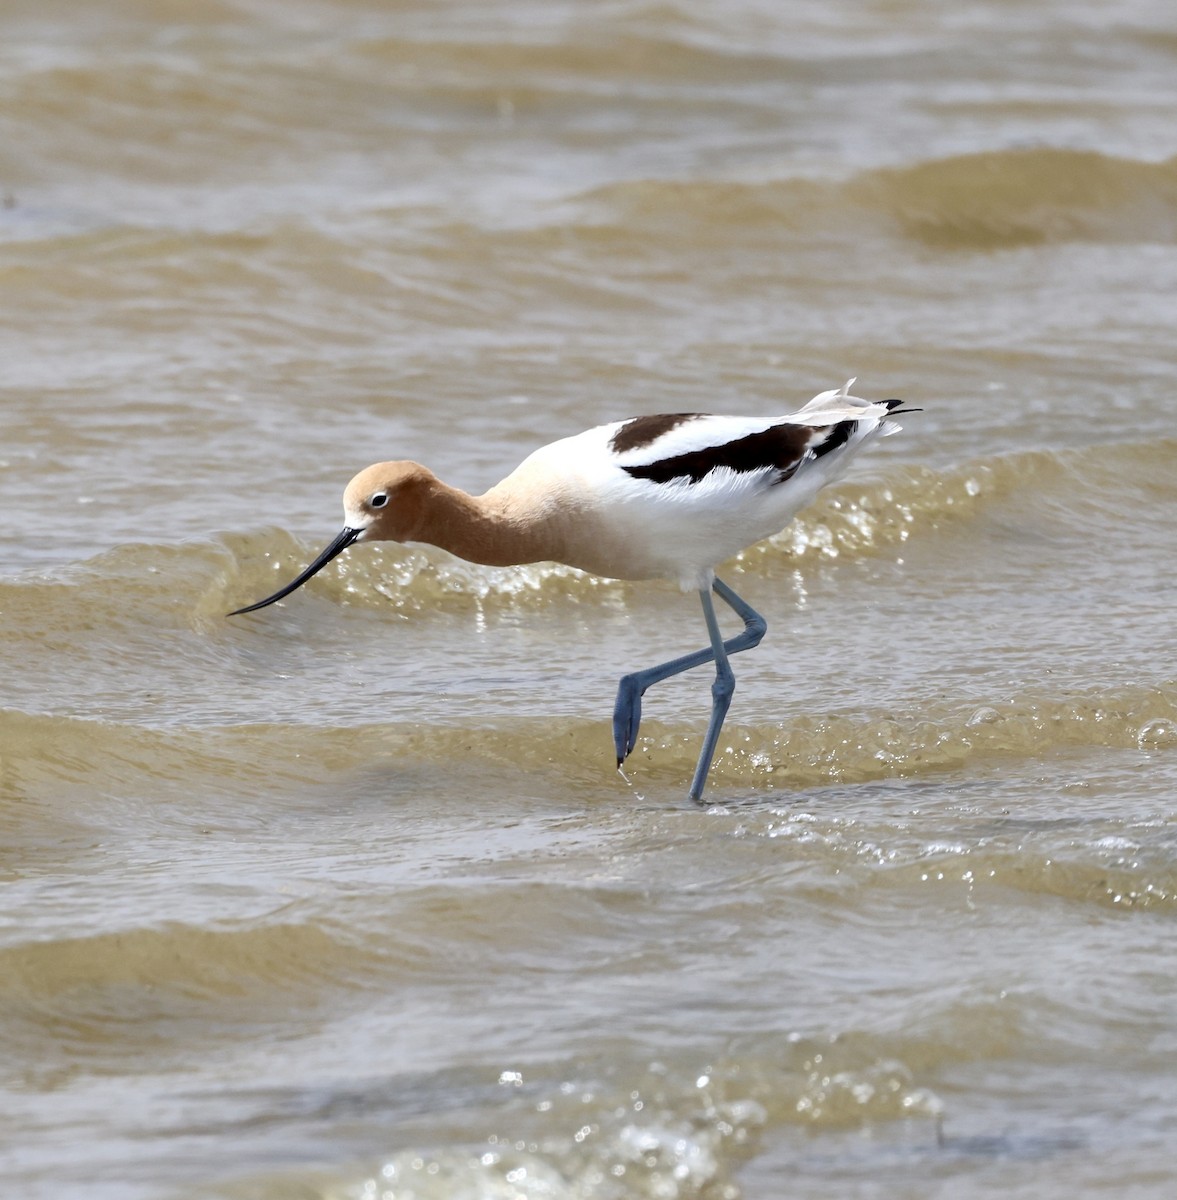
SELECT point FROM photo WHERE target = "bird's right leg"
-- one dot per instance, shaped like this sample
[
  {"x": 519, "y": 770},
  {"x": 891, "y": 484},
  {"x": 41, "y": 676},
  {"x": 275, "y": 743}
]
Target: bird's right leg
[{"x": 627, "y": 712}]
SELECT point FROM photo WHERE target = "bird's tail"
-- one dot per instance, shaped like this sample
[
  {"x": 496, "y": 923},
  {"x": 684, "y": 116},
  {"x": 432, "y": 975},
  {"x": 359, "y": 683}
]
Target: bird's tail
[{"x": 840, "y": 405}]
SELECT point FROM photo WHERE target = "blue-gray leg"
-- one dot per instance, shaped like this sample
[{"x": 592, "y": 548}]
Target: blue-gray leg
[{"x": 627, "y": 713}]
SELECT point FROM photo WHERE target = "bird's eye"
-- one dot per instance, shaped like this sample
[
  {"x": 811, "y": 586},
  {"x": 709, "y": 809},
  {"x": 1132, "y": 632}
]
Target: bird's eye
[{"x": 379, "y": 500}]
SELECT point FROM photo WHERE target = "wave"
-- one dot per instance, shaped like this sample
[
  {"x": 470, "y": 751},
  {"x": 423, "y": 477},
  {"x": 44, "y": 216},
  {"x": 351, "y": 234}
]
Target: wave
[
  {"x": 526, "y": 70},
  {"x": 189, "y": 960},
  {"x": 810, "y": 751},
  {"x": 982, "y": 201},
  {"x": 804, "y": 751},
  {"x": 194, "y": 584},
  {"x": 671, "y": 1128},
  {"x": 848, "y": 521},
  {"x": 1026, "y": 196}
]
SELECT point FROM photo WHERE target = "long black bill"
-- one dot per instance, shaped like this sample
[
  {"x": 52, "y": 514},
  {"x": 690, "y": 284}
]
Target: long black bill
[{"x": 337, "y": 547}]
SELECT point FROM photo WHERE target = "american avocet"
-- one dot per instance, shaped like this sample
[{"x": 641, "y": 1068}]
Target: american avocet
[{"x": 663, "y": 496}]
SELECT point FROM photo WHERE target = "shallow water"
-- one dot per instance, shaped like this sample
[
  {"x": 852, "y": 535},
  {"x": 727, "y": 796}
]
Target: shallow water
[{"x": 344, "y": 899}]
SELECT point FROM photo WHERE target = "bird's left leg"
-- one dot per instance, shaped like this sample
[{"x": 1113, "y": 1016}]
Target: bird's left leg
[
  {"x": 627, "y": 712},
  {"x": 725, "y": 681}
]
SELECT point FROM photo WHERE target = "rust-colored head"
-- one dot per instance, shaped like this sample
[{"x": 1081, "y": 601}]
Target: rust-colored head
[{"x": 384, "y": 502}]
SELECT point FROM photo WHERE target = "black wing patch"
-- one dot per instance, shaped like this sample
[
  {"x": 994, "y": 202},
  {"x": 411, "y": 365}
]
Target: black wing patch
[
  {"x": 838, "y": 435},
  {"x": 645, "y": 431},
  {"x": 782, "y": 448}
]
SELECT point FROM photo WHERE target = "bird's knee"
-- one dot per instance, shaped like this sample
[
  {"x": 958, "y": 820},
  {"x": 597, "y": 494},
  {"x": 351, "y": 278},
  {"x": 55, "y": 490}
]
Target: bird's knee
[
  {"x": 628, "y": 685},
  {"x": 754, "y": 631}
]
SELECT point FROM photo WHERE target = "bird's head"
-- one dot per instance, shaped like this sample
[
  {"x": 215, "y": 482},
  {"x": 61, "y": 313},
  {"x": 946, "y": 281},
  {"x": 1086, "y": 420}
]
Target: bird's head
[{"x": 384, "y": 502}]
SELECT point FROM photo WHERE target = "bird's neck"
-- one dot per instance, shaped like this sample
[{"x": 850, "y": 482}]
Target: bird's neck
[{"x": 487, "y": 529}]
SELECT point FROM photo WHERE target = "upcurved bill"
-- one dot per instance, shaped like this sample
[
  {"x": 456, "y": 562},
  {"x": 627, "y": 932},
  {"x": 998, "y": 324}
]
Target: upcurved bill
[{"x": 338, "y": 546}]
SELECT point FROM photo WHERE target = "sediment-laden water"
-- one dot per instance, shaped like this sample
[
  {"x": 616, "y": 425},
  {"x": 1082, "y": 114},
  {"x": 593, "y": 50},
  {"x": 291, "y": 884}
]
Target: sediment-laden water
[{"x": 344, "y": 898}]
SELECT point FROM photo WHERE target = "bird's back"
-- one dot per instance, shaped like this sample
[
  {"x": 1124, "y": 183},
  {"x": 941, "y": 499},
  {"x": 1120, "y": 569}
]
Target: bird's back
[{"x": 671, "y": 495}]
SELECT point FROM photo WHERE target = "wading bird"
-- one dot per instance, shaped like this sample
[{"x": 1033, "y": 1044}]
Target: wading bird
[{"x": 666, "y": 496}]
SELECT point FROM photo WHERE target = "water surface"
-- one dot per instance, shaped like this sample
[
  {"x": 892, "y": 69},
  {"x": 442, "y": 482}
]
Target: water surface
[{"x": 344, "y": 899}]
